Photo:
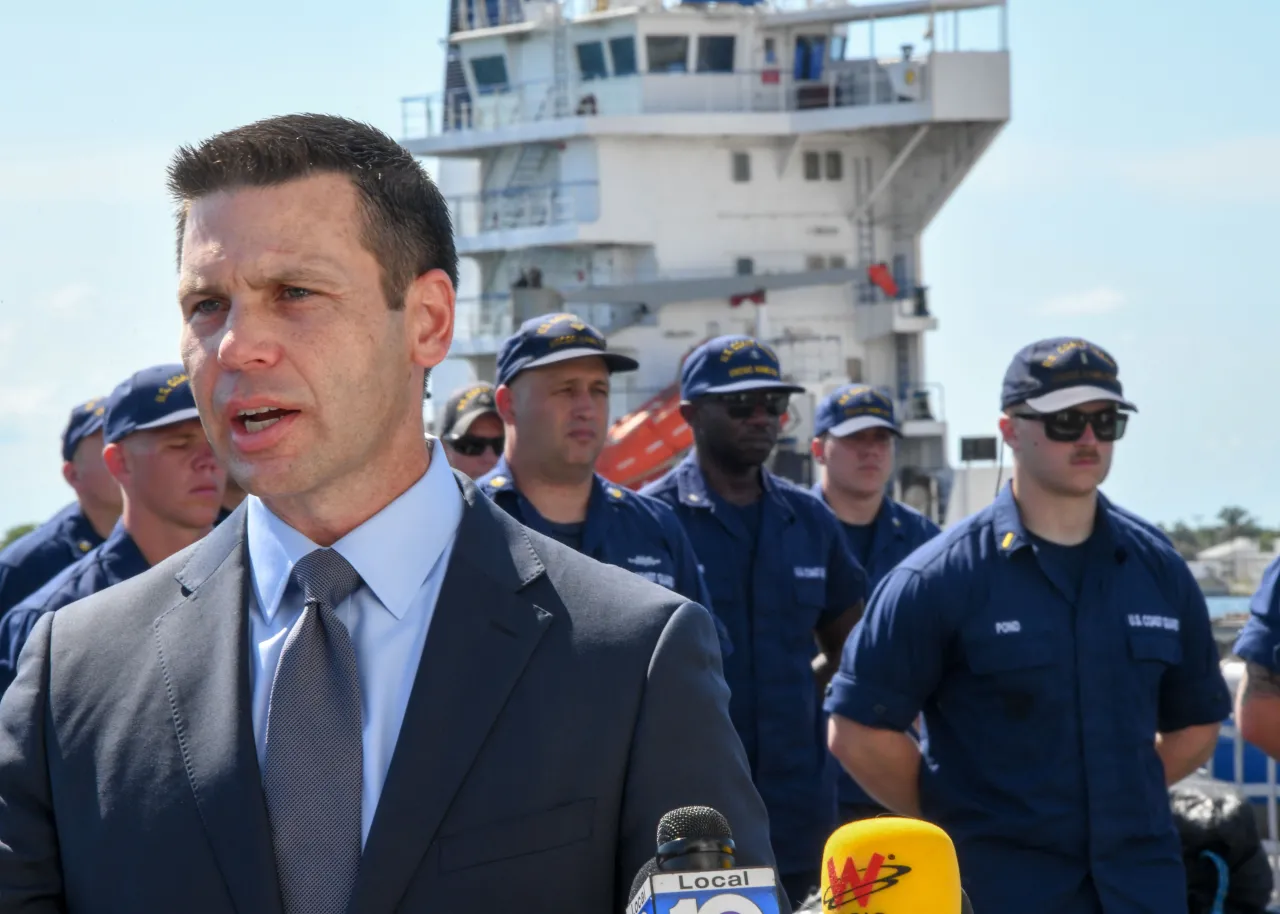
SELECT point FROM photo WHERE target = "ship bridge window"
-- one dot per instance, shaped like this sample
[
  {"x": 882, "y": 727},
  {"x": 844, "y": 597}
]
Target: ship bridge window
[
  {"x": 715, "y": 53},
  {"x": 667, "y": 53},
  {"x": 812, "y": 166},
  {"x": 741, "y": 167},
  {"x": 623, "y": 52},
  {"x": 591, "y": 60},
  {"x": 835, "y": 166},
  {"x": 490, "y": 73}
]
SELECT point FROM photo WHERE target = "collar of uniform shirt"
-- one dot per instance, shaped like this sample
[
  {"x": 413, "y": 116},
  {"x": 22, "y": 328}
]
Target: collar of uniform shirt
[{"x": 394, "y": 551}]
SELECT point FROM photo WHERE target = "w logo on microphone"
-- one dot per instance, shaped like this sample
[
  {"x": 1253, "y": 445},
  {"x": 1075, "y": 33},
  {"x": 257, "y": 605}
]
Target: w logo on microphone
[{"x": 848, "y": 886}]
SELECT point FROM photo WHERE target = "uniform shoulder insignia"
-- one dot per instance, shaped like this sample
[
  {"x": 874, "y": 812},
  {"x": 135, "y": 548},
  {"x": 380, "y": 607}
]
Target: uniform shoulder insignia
[
  {"x": 497, "y": 482},
  {"x": 84, "y": 545},
  {"x": 614, "y": 492},
  {"x": 1007, "y": 541},
  {"x": 693, "y": 497}
]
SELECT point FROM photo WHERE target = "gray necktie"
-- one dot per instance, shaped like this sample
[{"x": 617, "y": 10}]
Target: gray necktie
[{"x": 314, "y": 765}]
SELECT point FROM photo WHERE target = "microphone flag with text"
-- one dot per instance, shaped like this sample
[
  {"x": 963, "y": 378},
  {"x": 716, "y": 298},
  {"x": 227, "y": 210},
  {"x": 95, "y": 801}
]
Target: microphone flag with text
[
  {"x": 693, "y": 871},
  {"x": 891, "y": 865}
]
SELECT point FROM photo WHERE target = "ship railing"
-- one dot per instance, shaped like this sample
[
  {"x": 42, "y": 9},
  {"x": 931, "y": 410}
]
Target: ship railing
[
  {"x": 480, "y": 316},
  {"x": 866, "y": 83},
  {"x": 921, "y": 402},
  {"x": 525, "y": 207}
]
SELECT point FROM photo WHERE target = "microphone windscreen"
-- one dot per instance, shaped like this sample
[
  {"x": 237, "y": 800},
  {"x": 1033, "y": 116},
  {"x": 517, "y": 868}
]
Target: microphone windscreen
[
  {"x": 650, "y": 868},
  {"x": 693, "y": 822},
  {"x": 895, "y": 864}
]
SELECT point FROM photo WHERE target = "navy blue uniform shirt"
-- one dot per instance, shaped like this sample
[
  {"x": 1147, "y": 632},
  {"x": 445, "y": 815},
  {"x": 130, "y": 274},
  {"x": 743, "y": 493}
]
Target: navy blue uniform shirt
[
  {"x": 1259, "y": 640},
  {"x": 622, "y": 528},
  {"x": 32, "y": 560},
  {"x": 897, "y": 531},
  {"x": 1041, "y": 713},
  {"x": 116, "y": 559},
  {"x": 772, "y": 587}
]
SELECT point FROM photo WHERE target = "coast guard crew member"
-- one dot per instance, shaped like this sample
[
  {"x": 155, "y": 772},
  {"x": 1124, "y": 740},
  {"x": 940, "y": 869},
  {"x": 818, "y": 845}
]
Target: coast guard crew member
[
  {"x": 1258, "y": 645},
  {"x": 172, "y": 487},
  {"x": 1063, "y": 658},
  {"x": 471, "y": 430},
  {"x": 853, "y": 446},
  {"x": 29, "y": 562},
  {"x": 553, "y": 397},
  {"x": 780, "y": 574}
]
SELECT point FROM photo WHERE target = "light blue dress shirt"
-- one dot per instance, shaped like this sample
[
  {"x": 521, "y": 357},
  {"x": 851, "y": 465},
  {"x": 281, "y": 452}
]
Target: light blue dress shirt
[{"x": 401, "y": 553}]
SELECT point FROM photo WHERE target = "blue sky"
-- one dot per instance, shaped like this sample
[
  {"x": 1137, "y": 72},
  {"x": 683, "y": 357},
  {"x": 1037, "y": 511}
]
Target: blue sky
[{"x": 1133, "y": 199}]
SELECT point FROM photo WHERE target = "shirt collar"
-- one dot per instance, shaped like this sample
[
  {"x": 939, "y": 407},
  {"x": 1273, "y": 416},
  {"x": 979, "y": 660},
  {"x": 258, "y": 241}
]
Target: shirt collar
[
  {"x": 1011, "y": 535},
  {"x": 692, "y": 488},
  {"x": 122, "y": 554},
  {"x": 394, "y": 551}
]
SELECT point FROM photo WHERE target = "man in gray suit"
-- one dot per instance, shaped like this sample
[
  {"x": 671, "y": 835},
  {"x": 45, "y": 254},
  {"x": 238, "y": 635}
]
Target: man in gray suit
[{"x": 368, "y": 689}]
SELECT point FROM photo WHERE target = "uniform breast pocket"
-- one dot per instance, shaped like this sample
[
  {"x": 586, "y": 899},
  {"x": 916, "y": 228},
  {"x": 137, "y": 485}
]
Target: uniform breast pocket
[
  {"x": 810, "y": 595},
  {"x": 1017, "y": 670},
  {"x": 1153, "y": 652}
]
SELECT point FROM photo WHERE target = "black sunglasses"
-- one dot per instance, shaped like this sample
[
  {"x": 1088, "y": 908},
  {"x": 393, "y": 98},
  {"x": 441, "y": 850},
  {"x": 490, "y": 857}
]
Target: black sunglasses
[
  {"x": 1069, "y": 424},
  {"x": 743, "y": 405},
  {"x": 473, "y": 445}
]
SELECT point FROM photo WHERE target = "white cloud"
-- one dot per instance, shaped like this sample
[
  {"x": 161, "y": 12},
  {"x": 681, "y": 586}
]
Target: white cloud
[
  {"x": 67, "y": 300},
  {"x": 1102, "y": 300},
  {"x": 22, "y": 400},
  {"x": 1238, "y": 170},
  {"x": 94, "y": 174},
  {"x": 1229, "y": 171}
]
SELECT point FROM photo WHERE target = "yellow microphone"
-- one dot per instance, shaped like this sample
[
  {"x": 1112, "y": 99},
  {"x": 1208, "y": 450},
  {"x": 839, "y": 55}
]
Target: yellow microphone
[{"x": 890, "y": 865}]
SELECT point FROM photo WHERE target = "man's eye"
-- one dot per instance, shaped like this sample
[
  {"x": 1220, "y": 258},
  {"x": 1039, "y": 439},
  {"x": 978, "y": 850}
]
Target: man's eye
[
  {"x": 207, "y": 306},
  {"x": 295, "y": 293}
]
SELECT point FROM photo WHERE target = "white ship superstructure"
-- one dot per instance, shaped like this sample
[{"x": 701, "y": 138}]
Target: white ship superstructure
[{"x": 672, "y": 173}]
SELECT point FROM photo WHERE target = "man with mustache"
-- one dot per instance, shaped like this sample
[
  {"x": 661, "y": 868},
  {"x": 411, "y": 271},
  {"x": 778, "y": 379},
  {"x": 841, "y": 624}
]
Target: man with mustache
[
  {"x": 781, "y": 577},
  {"x": 553, "y": 396},
  {"x": 368, "y": 689},
  {"x": 1063, "y": 658},
  {"x": 854, "y": 431},
  {"x": 171, "y": 485}
]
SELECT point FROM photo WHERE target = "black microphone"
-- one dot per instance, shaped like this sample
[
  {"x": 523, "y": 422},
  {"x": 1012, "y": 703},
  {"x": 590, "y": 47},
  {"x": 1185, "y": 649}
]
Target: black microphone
[
  {"x": 694, "y": 838},
  {"x": 694, "y": 865}
]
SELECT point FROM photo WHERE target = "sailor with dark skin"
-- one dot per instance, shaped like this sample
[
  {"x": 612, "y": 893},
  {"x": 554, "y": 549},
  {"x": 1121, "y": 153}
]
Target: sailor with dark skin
[{"x": 781, "y": 577}]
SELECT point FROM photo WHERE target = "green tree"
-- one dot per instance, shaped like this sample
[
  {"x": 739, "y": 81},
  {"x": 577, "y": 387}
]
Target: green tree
[
  {"x": 15, "y": 532},
  {"x": 1236, "y": 521}
]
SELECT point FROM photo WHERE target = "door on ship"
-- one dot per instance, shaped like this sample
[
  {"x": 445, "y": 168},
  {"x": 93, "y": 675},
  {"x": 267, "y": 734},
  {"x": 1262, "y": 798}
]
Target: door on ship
[{"x": 807, "y": 70}]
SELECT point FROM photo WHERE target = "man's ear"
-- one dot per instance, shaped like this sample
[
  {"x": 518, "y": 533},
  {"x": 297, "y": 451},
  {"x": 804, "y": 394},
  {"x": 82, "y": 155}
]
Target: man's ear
[
  {"x": 504, "y": 402},
  {"x": 429, "y": 310},
  {"x": 1008, "y": 431},
  {"x": 117, "y": 462}
]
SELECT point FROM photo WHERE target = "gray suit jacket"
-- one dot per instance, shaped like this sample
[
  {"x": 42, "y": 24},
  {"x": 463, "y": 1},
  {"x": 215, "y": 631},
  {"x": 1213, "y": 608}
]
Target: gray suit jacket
[{"x": 560, "y": 708}]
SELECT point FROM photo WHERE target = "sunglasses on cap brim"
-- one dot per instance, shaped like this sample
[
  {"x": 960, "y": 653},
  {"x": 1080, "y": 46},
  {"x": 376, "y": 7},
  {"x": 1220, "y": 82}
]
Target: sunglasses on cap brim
[
  {"x": 743, "y": 404},
  {"x": 1069, "y": 424},
  {"x": 474, "y": 445}
]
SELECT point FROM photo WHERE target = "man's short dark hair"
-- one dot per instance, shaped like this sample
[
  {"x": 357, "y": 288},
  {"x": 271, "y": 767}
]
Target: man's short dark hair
[{"x": 407, "y": 225}]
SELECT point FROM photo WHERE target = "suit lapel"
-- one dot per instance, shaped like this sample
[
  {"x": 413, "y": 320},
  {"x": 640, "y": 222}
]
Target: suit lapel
[
  {"x": 203, "y": 644},
  {"x": 481, "y": 637}
]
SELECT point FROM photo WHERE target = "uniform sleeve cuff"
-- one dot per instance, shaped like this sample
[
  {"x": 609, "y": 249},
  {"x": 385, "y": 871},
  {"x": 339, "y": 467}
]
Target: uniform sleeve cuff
[
  {"x": 1257, "y": 645},
  {"x": 1207, "y": 701},
  {"x": 869, "y": 705}
]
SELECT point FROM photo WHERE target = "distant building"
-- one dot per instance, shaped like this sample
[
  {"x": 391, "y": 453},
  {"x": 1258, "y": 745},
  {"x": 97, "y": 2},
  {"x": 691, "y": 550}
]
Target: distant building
[
  {"x": 1238, "y": 562},
  {"x": 1206, "y": 576}
]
